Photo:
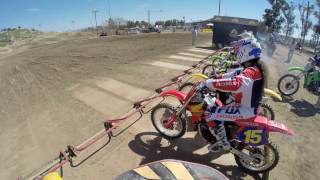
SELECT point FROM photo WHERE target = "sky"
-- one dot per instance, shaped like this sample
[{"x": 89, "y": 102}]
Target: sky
[{"x": 64, "y": 15}]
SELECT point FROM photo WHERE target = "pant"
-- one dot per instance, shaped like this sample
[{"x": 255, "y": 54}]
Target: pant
[
  {"x": 290, "y": 55},
  {"x": 194, "y": 38}
]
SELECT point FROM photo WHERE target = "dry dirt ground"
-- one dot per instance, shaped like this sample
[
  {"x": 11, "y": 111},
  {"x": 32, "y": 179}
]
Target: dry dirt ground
[{"x": 54, "y": 94}]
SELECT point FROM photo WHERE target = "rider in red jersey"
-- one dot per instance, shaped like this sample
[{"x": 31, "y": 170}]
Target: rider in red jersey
[{"x": 246, "y": 89}]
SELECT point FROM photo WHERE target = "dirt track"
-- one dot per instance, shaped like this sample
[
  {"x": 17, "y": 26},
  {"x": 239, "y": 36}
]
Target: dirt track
[{"x": 58, "y": 94}]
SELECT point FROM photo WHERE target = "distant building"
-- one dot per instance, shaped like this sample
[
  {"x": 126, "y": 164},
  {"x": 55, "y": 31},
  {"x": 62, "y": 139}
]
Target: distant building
[{"x": 226, "y": 29}]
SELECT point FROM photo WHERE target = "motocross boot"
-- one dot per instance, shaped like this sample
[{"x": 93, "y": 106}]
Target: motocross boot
[{"x": 219, "y": 132}]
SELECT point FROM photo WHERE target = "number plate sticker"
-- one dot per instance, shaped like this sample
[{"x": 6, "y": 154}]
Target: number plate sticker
[{"x": 253, "y": 136}]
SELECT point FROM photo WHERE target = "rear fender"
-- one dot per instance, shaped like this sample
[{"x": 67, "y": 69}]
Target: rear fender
[
  {"x": 199, "y": 76},
  {"x": 272, "y": 94},
  {"x": 265, "y": 123},
  {"x": 273, "y": 126},
  {"x": 175, "y": 93},
  {"x": 296, "y": 68}
]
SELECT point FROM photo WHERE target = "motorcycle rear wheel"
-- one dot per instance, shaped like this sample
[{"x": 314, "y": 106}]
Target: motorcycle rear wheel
[
  {"x": 208, "y": 69},
  {"x": 179, "y": 127},
  {"x": 266, "y": 158},
  {"x": 283, "y": 85}
]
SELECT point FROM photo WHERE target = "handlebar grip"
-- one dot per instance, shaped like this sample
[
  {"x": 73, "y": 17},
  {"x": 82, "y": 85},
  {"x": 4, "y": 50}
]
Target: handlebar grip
[
  {"x": 159, "y": 90},
  {"x": 174, "y": 79}
]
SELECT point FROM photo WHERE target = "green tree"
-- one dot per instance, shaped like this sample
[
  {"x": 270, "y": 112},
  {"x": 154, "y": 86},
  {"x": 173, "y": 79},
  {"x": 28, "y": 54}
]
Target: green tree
[
  {"x": 137, "y": 24},
  {"x": 316, "y": 28},
  {"x": 174, "y": 22},
  {"x": 159, "y": 23},
  {"x": 306, "y": 23},
  {"x": 181, "y": 23},
  {"x": 144, "y": 23},
  {"x": 168, "y": 23},
  {"x": 289, "y": 20},
  {"x": 130, "y": 24},
  {"x": 272, "y": 17}
]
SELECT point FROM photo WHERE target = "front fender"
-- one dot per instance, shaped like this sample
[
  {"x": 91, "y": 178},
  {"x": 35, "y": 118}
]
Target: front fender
[
  {"x": 296, "y": 68},
  {"x": 199, "y": 76},
  {"x": 272, "y": 94},
  {"x": 178, "y": 94}
]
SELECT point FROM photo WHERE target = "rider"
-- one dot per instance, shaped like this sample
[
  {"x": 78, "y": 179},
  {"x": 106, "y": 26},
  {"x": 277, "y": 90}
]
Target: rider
[{"x": 246, "y": 89}]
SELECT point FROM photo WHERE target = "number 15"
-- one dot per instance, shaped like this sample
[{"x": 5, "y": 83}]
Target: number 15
[{"x": 253, "y": 136}]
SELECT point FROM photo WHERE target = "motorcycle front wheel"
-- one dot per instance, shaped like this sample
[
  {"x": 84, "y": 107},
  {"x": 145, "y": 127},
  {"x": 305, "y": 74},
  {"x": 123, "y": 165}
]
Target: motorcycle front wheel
[
  {"x": 266, "y": 111},
  {"x": 288, "y": 84},
  {"x": 266, "y": 158},
  {"x": 186, "y": 87},
  {"x": 161, "y": 115}
]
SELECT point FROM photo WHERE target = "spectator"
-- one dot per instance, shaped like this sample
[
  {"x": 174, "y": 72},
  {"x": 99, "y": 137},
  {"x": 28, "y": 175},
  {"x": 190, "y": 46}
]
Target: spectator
[
  {"x": 299, "y": 47},
  {"x": 194, "y": 35},
  {"x": 292, "y": 47}
]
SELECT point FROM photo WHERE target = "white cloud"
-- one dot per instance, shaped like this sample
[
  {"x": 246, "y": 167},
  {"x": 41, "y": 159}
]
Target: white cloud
[{"x": 33, "y": 10}]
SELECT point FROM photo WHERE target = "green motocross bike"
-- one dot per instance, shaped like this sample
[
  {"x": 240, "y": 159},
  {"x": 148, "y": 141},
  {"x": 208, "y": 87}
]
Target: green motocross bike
[
  {"x": 221, "y": 61},
  {"x": 289, "y": 84}
]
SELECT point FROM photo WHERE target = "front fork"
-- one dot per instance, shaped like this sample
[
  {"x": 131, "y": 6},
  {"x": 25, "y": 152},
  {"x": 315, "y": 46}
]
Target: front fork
[
  {"x": 299, "y": 76},
  {"x": 181, "y": 110}
]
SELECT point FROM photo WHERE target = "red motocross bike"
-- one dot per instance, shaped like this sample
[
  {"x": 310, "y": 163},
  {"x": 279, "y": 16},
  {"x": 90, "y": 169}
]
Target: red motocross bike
[{"x": 253, "y": 152}]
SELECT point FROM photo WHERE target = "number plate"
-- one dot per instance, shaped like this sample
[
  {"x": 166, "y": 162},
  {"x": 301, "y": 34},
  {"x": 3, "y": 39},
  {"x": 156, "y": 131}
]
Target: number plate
[{"x": 253, "y": 136}]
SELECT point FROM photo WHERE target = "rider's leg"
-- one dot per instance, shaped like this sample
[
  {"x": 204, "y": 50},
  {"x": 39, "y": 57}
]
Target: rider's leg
[
  {"x": 219, "y": 132},
  {"x": 220, "y": 115}
]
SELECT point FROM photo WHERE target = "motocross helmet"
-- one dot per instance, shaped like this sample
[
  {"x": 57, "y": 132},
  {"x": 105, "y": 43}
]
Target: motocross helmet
[
  {"x": 247, "y": 49},
  {"x": 246, "y": 34}
]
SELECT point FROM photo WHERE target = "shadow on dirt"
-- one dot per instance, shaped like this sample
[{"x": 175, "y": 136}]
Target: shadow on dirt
[
  {"x": 153, "y": 147},
  {"x": 302, "y": 107},
  {"x": 206, "y": 47}
]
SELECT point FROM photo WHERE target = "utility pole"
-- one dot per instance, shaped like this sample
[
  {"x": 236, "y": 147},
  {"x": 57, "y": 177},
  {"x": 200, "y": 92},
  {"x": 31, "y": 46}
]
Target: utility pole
[
  {"x": 73, "y": 25},
  {"x": 219, "y": 7},
  {"x": 149, "y": 18},
  {"x": 109, "y": 9},
  {"x": 95, "y": 17}
]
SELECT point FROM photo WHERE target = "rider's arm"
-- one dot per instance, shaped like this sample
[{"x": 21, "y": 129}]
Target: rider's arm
[
  {"x": 232, "y": 73},
  {"x": 234, "y": 84}
]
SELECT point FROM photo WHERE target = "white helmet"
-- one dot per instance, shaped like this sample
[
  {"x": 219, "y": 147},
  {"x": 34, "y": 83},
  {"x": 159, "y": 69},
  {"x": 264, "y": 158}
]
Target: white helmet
[
  {"x": 247, "y": 49},
  {"x": 247, "y": 34}
]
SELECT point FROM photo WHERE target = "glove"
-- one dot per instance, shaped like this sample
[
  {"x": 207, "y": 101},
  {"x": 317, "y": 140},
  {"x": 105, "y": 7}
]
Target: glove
[{"x": 201, "y": 86}]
